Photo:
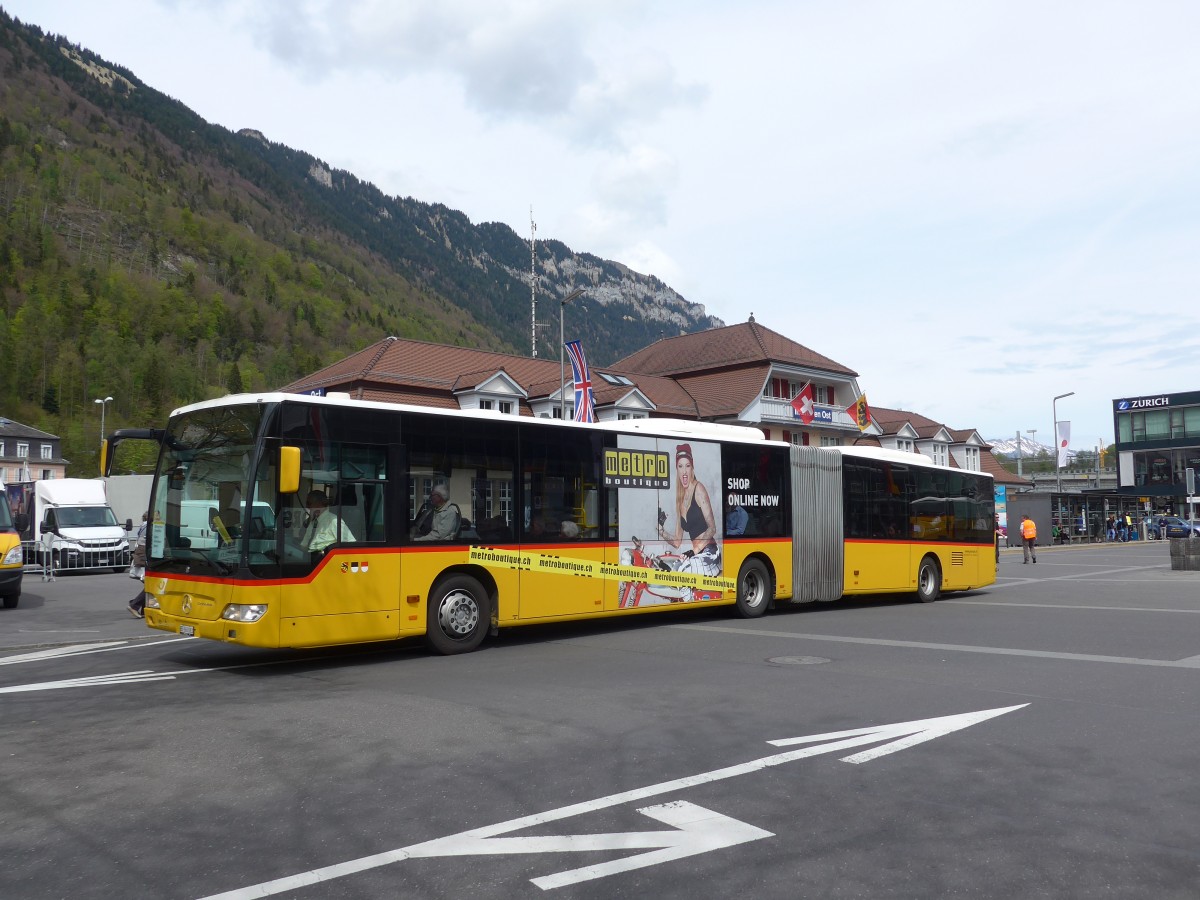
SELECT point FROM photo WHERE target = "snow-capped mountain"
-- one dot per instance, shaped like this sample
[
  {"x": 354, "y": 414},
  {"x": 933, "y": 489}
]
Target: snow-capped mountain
[{"x": 1029, "y": 448}]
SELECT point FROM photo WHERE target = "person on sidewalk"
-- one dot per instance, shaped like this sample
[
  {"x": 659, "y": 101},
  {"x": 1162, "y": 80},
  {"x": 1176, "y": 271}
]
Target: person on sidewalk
[
  {"x": 137, "y": 606},
  {"x": 1029, "y": 539}
]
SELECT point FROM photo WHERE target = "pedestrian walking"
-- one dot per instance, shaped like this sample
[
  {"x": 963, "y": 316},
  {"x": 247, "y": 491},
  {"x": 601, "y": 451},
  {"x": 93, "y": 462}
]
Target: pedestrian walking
[
  {"x": 1029, "y": 539},
  {"x": 137, "y": 606}
]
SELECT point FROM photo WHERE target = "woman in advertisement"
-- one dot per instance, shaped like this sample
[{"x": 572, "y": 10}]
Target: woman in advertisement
[{"x": 694, "y": 515}]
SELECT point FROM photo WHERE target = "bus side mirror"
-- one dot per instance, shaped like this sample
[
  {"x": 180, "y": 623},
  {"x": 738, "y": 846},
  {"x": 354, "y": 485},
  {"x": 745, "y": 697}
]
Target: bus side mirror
[
  {"x": 289, "y": 470},
  {"x": 104, "y": 457}
]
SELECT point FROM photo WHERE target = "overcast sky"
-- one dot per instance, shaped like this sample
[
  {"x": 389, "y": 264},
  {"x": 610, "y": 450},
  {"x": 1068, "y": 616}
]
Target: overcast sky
[{"x": 975, "y": 205}]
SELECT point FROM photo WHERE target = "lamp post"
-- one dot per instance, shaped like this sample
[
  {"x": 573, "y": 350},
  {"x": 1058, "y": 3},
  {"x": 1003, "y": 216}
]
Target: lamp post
[
  {"x": 103, "y": 406},
  {"x": 562, "y": 306},
  {"x": 1057, "y": 468},
  {"x": 1032, "y": 432}
]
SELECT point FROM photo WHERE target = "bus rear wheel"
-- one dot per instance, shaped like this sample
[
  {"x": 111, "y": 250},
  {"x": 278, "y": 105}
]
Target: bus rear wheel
[
  {"x": 929, "y": 580},
  {"x": 460, "y": 612},
  {"x": 11, "y": 601},
  {"x": 754, "y": 589}
]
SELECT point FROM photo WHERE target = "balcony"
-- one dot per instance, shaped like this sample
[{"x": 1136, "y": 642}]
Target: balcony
[{"x": 777, "y": 411}]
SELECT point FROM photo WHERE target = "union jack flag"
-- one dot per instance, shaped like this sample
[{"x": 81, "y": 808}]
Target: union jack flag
[{"x": 585, "y": 400}]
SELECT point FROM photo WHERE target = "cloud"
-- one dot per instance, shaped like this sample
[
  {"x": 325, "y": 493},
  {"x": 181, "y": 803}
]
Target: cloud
[{"x": 527, "y": 60}]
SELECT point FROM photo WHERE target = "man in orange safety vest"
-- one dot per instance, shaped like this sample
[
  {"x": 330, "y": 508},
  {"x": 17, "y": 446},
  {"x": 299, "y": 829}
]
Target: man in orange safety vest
[{"x": 1029, "y": 538}]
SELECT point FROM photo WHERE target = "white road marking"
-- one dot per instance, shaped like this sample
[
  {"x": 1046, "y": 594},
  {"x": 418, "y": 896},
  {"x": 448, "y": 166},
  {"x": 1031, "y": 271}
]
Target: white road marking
[
  {"x": 696, "y": 830},
  {"x": 1071, "y": 606},
  {"x": 93, "y": 681},
  {"x": 82, "y": 649},
  {"x": 1031, "y": 578},
  {"x": 1187, "y": 663},
  {"x": 132, "y": 677},
  {"x": 719, "y": 830}
]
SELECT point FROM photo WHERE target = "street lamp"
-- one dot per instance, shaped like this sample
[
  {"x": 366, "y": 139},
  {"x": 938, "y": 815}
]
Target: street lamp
[
  {"x": 562, "y": 305},
  {"x": 103, "y": 406},
  {"x": 1057, "y": 468},
  {"x": 1019, "y": 450}
]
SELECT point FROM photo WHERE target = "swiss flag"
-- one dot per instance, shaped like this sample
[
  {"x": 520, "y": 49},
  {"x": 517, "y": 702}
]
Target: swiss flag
[{"x": 802, "y": 403}]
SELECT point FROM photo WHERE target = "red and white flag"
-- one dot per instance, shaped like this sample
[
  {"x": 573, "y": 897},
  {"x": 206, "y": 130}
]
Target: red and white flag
[
  {"x": 1064, "y": 442},
  {"x": 802, "y": 403}
]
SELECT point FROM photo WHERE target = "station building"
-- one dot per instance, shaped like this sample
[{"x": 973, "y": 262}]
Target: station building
[{"x": 742, "y": 374}]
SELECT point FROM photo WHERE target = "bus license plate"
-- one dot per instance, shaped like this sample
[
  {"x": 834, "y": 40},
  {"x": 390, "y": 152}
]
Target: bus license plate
[{"x": 187, "y": 630}]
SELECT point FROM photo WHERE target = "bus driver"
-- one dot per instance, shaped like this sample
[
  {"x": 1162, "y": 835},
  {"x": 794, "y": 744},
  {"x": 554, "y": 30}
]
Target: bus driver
[{"x": 323, "y": 527}]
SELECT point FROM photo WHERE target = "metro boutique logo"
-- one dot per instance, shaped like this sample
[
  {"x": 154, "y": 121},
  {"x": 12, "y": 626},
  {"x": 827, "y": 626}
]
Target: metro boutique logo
[{"x": 1142, "y": 403}]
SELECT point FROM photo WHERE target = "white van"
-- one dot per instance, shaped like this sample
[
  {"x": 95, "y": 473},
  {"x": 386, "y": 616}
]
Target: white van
[{"x": 70, "y": 520}]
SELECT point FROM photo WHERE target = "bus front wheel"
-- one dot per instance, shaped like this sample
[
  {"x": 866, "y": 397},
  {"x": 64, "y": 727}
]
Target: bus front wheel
[
  {"x": 460, "y": 612},
  {"x": 753, "y": 589},
  {"x": 929, "y": 580}
]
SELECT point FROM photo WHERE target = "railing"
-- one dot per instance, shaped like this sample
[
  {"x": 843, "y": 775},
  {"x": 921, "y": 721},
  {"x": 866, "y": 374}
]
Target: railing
[
  {"x": 53, "y": 561},
  {"x": 774, "y": 409}
]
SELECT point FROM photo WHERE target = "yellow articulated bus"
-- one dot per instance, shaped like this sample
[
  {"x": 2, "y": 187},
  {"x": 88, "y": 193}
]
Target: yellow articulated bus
[{"x": 282, "y": 520}]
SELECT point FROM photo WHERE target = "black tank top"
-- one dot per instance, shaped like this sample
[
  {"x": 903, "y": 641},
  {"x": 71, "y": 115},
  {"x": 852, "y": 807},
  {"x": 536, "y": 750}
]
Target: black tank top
[{"x": 694, "y": 522}]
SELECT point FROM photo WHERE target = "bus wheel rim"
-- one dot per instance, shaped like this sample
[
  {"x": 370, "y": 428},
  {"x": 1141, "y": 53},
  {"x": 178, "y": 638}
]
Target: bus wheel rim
[
  {"x": 458, "y": 614},
  {"x": 752, "y": 590}
]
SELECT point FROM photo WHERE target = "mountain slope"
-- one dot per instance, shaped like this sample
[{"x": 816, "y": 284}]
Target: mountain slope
[{"x": 148, "y": 255}]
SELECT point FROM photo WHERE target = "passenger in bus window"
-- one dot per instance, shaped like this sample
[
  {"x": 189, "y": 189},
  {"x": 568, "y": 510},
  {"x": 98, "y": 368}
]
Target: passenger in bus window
[
  {"x": 693, "y": 514},
  {"x": 439, "y": 522},
  {"x": 736, "y": 519},
  {"x": 323, "y": 526}
]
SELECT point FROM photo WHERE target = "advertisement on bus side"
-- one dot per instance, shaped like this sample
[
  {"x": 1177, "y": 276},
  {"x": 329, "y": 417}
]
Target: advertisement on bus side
[{"x": 669, "y": 497}]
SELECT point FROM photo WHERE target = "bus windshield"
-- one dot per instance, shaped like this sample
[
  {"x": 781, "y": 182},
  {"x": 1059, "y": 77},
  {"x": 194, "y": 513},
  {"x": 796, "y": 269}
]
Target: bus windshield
[{"x": 201, "y": 488}]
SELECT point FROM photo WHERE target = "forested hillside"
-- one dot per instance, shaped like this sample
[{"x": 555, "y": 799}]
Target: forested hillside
[{"x": 152, "y": 257}]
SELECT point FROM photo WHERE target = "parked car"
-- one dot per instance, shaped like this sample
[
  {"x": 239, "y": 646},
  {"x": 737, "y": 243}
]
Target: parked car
[{"x": 1176, "y": 527}]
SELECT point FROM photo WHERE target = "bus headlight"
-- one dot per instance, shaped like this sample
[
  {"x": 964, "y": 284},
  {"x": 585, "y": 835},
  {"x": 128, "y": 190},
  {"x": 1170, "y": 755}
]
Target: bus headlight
[
  {"x": 14, "y": 556},
  {"x": 152, "y": 601},
  {"x": 244, "y": 612}
]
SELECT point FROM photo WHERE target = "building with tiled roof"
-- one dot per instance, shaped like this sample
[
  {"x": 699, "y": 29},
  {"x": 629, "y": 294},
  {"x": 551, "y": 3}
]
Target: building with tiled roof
[
  {"x": 747, "y": 374},
  {"x": 743, "y": 374},
  {"x": 27, "y": 454},
  {"x": 901, "y": 429},
  {"x": 398, "y": 370}
]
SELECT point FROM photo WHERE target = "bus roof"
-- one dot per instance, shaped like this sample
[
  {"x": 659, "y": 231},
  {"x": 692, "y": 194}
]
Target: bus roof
[
  {"x": 714, "y": 431},
  {"x": 900, "y": 456}
]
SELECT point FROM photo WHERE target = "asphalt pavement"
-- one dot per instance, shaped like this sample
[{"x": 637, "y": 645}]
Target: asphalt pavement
[
  {"x": 1033, "y": 739},
  {"x": 72, "y": 609}
]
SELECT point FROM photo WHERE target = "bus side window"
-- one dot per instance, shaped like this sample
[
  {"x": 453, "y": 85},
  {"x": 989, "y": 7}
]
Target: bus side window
[{"x": 560, "y": 468}]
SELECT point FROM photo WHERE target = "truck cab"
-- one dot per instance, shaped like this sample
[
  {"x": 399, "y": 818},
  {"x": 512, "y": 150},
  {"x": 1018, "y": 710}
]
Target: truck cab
[{"x": 71, "y": 525}]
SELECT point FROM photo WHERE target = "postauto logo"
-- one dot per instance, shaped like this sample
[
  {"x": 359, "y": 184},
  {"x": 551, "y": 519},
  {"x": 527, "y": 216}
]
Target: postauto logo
[{"x": 1142, "y": 403}]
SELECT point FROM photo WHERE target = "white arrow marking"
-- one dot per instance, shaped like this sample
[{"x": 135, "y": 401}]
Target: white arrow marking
[
  {"x": 909, "y": 733},
  {"x": 697, "y": 830},
  {"x": 475, "y": 841}
]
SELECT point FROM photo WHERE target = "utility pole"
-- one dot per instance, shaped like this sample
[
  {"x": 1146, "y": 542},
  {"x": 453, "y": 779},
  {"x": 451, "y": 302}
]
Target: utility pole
[{"x": 533, "y": 282}]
